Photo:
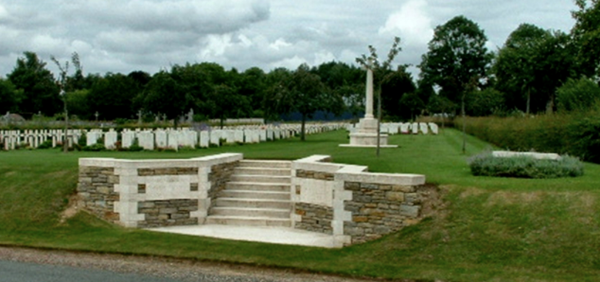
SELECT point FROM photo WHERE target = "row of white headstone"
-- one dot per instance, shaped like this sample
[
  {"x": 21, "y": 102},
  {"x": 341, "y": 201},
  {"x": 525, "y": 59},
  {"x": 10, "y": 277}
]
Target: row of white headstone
[
  {"x": 162, "y": 138},
  {"x": 404, "y": 128}
]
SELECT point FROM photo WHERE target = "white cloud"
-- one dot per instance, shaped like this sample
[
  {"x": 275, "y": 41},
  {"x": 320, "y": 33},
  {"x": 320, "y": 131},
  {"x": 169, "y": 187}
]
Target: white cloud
[{"x": 411, "y": 22}]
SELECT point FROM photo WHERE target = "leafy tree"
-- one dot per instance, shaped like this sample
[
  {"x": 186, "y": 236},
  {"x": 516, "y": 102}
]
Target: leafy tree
[
  {"x": 586, "y": 34},
  {"x": 306, "y": 94},
  {"x": 77, "y": 102},
  {"x": 252, "y": 84},
  {"x": 164, "y": 95},
  {"x": 227, "y": 103},
  {"x": 485, "y": 102},
  {"x": 396, "y": 85},
  {"x": 276, "y": 83},
  {"x": 112, "y": 96},
  {"x": 40, "y": 93},
  {"x": 531, "y": 65},
  {"x": 577, "y": 95},
  {"x": 8, "y": 97},
  {"x": 346, "y": 81},
  {"x": 457, "y": 60}
]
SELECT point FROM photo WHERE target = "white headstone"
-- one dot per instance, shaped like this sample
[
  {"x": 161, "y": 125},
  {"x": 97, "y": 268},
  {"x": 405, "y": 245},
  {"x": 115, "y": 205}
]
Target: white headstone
[
  {"x": 404, "y": 128},
  {"x": 110, "y": 138},
  {"x": 204, "y": 139},
  {"x": 415, "y": 128},
  {"x": 127, "y": 138},
  {"x": 161, "y": 138},
  {"x": 434, "y": 128},
  {"x": 239, "y": 136},
  {"x": 146, "y": 140},
  {"x": 215, "y": 137},
  {"x": 423, "y": 127},
  {"x": 91, "y": 137}
]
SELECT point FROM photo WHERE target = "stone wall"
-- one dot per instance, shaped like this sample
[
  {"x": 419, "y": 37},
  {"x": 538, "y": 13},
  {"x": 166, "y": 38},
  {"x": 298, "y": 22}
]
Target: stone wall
[
  {"x": 153, "y": 193},
  {"x": 218, "y": 177},
  {"x": 352, "y": 204},
  {"x": 96, "y": 190},
  {"x": 380, "y": 209},
  {"x": 167, "y": 213},
  {"x": 315, "y": 218}
]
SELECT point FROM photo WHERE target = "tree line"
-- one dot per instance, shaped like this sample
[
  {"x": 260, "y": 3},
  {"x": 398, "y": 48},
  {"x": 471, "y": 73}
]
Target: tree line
[{"x": 536, "y": 70}]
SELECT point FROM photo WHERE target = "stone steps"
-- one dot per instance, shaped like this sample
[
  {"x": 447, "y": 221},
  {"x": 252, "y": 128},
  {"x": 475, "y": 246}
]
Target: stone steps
[
  {"x": 246, "y": 194},
  {"x": 258, "y": 194},
  {"x": 259, "y": 187},
  {"x": 248, "y": 221}
]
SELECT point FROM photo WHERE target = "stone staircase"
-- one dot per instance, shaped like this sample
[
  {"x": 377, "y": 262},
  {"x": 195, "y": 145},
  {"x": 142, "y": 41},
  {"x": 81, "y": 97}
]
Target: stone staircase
[{"x": 258, "y": 194}]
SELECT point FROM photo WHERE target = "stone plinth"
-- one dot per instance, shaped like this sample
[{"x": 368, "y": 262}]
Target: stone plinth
[{"x": 366, "y": 135}]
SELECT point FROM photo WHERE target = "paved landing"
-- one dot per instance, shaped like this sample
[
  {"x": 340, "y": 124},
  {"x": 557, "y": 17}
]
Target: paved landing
[{"x": 275, "y": 235}]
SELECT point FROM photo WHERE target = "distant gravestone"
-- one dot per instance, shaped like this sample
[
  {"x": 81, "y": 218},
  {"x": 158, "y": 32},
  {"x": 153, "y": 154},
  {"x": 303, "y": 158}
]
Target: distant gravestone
[
  {"x": 173, "y": 137},
  {"x": 434, "y": 128},
  {"x": 127, "y": 138},
  {"x": 204, "y": 139},
  {"x": 215, "y": 137},
  {"x": 146, "y": 140},
  {"x": 110, "y": 138},
  {"x": 239, "y": 136},
  {"x": 263, "y": 135},
  {"x": 415, "y": 128},
  {"x": 405, "y": 128},
  {"x": 91, "y": 137},
  {"x": 423, "y": 127},
  {"x": 161, "y": 138}
]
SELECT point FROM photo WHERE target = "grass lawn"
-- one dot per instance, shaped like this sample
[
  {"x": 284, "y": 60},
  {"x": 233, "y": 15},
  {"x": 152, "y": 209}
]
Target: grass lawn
[{"x": 490, "y": 229}]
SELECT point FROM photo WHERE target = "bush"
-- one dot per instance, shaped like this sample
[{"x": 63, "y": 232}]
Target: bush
[
  {"x": 135, "y": 146},
  {"x": 45, "y": 145},
  {"x": 524, "y": 166},
  {"x": 94, "y": 148},
  {"x": 577, "y": 95}
]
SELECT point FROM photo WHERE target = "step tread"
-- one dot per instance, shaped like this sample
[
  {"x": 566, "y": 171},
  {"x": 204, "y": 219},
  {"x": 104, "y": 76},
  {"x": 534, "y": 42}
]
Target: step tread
[
  {"x": 249, "y": 209},
  {"x": 247, "y": 217},
  {"x": 253, "y": 200}
]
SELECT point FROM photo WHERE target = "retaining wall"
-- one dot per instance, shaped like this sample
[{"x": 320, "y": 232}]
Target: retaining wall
[{"x": 152, "y": 193}]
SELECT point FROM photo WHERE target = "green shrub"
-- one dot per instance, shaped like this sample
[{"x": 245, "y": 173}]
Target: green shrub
[
  {"x": 135, "y": 146},
  {"x": 45, "y": 145},
  {"x": 577, "y": 95},
  {"x": 94, "y": 148},
  {"x": 524, "y": 166}
]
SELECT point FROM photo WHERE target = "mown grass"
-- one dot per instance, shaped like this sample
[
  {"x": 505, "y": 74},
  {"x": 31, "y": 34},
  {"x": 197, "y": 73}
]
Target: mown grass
[{"x": 490, "y": 229}]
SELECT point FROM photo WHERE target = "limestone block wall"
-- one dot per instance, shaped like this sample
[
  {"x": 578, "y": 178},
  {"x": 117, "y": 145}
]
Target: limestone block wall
[
  {"x": 152, "y": 193},
  {"x": 350, "y": 203}
]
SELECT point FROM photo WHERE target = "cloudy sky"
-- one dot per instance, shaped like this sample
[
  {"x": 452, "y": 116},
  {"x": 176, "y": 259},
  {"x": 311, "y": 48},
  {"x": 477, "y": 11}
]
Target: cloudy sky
[{"x": 149, "y": 35}]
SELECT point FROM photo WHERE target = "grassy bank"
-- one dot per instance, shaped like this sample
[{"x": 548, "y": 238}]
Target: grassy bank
[{"x": 490, "y": 229}]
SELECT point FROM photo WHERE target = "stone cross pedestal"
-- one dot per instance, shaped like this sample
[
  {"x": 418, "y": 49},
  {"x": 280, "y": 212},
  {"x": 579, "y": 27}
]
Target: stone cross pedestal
[{"x": 365, "y": 134}]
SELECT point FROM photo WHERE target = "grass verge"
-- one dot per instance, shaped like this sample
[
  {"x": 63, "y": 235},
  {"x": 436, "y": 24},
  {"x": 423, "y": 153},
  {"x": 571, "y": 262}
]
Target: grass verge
[{"x": 491, "y": 229}]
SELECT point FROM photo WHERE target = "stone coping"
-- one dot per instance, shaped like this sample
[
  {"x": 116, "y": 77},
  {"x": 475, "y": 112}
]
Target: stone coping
[{"x": 540, "y": 156}]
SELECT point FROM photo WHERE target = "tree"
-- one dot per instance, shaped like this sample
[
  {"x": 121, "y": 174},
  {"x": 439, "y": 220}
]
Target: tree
[
  {"x": 531, "y": 65},
  {"x": 577, "y": 95},
  {"x": 306, "y": 94},
  {"x": 164, "y": 95},
  {"x": 396, "y": 85},
  {"x": 40, "y": 93},
  {"x": 227, "y": 103},
  {"x": 9, "y": 98},
  {"x": 112, "y": 96},
  {"x": 586, "y": 34},
  {"x": 457, "y": 60},
  {"x": 252, "y": 84}
]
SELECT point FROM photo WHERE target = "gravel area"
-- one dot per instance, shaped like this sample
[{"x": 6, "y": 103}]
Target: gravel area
[{"x": 178, "y": 269}]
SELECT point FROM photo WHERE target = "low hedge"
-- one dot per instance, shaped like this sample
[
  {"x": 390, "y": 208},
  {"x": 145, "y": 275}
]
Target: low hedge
[
  {"x": 525, "y": 166},
  {"x": 574, "y": 134}
]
